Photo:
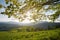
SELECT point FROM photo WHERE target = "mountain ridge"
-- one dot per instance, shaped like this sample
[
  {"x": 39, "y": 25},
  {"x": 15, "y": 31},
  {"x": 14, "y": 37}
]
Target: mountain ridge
[{"x": 12, "y": 25}]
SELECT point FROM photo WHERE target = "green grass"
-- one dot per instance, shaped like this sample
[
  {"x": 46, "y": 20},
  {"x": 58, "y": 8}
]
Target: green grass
[{"x": 39, "y": 35}]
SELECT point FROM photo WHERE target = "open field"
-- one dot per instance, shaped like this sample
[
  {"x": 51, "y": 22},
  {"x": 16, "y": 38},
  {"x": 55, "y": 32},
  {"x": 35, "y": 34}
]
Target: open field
[{"x": 39, "y": 35}]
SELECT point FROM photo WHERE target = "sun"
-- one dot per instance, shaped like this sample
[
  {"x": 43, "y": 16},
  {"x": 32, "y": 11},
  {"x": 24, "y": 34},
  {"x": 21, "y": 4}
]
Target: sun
[{"x": 26, "y": 21}]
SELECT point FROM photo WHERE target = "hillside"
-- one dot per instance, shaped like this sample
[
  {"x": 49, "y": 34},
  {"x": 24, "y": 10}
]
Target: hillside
[{"x": 40, "y": 35}]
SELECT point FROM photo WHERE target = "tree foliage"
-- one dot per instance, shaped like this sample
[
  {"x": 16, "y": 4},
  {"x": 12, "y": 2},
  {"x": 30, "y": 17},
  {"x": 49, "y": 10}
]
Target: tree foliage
[{"x": 19, "y": 9}]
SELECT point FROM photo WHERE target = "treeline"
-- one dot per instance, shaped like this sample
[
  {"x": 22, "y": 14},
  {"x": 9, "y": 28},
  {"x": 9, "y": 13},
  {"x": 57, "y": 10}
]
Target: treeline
[{"x": 32, "y": 29}]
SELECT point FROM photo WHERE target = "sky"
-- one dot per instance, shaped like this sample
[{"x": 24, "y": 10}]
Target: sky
[{"x": 4, "y": 18}]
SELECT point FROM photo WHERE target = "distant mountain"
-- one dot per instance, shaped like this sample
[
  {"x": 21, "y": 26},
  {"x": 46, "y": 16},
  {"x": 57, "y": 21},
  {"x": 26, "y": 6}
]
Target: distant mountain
[
  {"x": 45, "y": 25},
  {"x": 8, "y": 25},
  {"x": 11, "y": 25}
]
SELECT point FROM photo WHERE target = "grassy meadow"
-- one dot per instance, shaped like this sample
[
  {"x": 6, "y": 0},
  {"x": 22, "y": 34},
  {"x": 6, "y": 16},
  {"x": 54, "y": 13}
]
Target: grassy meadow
[{"x": 31, "y": 35}]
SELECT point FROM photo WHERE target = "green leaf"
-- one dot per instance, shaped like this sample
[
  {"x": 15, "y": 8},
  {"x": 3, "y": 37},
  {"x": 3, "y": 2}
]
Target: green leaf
[{"x": 1, "y": 6}]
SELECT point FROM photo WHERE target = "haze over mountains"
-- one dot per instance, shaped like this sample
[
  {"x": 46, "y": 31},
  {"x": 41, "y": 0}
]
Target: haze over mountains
[{"x": 11, "y": 25}]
